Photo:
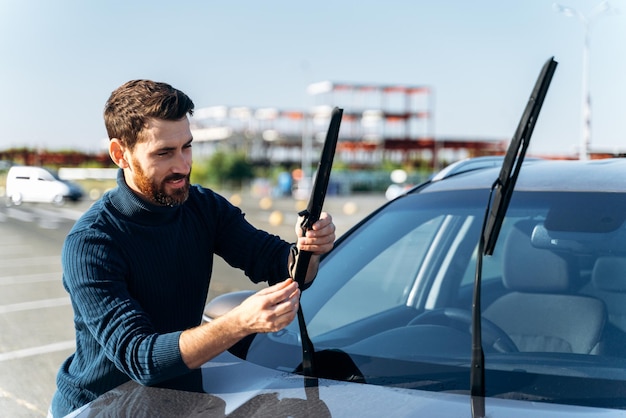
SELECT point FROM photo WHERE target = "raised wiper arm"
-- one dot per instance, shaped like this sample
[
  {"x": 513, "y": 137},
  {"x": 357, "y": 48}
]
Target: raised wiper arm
[
  {"x": 515, "y": 156},
  {"x": 309, "y": 216},
  {"x": 501, "y": 192}
]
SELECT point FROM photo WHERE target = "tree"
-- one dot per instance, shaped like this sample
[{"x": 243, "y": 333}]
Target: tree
[{"x": 222, "y": 169}]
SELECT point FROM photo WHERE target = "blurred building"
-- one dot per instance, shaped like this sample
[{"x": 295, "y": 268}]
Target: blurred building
[{"x": 380, "y": 123}]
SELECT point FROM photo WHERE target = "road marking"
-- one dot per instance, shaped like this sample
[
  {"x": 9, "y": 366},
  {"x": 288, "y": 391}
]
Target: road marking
[
  {"x": 20, "y": 215},
  {"x": 71, "y": 214},
  {"x": 45, "y": 213},
  {"x": 31, "y": 214},
  {"x": 36, "y": 304},
  {"x": 50, "y": 219},
  {"x": 30, "y": 261},
  {"x": 31, "y": 278},
  {"x": 35, "y": 351},
  {"x": 11, "y": 248},
  {"x": 21, "y": 402}
]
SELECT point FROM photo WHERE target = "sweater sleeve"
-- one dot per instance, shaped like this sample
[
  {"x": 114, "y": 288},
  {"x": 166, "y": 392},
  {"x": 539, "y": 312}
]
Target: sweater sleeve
[{"x": 94, "y": 275}]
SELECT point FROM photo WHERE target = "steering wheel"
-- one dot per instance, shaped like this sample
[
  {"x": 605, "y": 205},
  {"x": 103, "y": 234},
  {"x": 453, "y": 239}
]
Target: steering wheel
[{"x": 461, "y": 319}]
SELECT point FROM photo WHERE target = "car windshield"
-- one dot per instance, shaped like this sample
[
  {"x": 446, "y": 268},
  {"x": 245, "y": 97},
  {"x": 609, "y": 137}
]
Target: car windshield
[{"x": 391, "y": 304}]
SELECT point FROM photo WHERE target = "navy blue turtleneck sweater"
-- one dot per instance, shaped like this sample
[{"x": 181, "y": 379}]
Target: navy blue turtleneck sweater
[{"x": 138, "y": 275}]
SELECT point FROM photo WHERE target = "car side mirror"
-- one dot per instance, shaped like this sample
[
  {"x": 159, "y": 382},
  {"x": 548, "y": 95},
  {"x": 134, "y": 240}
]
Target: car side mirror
[{"x": 219, "y": 305}]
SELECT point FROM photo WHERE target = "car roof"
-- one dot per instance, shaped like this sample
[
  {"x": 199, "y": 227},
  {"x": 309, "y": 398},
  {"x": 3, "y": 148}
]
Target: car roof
[
  {"x": 607, "y": 175},
  {"x": 27, "y": 168}
]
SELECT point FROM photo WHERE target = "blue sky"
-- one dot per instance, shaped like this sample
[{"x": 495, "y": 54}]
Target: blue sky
[{"x": 59, "y": 61}]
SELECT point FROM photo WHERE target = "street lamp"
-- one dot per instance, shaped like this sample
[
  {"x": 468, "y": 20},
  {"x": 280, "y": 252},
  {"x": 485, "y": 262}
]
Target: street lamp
[{"x": 602, "y": 8}]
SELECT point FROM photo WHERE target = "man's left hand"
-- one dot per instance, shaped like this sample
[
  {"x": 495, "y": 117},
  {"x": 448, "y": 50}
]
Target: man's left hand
[{"x": 320, "y": 239}]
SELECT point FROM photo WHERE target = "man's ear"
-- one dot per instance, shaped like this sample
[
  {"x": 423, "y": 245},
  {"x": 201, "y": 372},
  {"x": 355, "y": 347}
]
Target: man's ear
[{"x": 116, "y": 152}]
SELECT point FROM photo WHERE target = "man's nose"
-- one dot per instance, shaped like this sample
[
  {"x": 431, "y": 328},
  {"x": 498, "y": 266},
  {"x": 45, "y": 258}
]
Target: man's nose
[{"x": 183, "y": 162}]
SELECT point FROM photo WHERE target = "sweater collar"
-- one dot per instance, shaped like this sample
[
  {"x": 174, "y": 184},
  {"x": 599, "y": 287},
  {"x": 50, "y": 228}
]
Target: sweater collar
[{"x": 129, "y": 204}]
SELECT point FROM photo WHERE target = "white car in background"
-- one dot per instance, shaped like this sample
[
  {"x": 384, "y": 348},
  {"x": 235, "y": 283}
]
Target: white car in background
[{"x": 37, "y": 184}]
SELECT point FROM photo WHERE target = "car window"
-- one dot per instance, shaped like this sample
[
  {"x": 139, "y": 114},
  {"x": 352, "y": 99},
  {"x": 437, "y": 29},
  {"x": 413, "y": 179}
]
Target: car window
[
  {"x": 399, "y": 260},
  {"x": 385, "y": 279},
  {"x": 45, "y": 175},
  {"x": 492, "y": 265}
]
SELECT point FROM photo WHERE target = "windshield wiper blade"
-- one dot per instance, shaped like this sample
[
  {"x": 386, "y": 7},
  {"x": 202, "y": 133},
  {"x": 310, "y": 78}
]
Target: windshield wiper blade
[
  {"x": 309, "y": 216},
  {"x": 501, "y": 192},
  {"x": 515, "y": 156}
]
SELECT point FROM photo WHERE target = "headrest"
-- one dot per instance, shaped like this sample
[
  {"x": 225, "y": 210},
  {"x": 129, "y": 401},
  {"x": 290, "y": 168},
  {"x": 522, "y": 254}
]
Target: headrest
[
  {"x": 529, "y": 269},
  {"x": 609, "y": 273}
]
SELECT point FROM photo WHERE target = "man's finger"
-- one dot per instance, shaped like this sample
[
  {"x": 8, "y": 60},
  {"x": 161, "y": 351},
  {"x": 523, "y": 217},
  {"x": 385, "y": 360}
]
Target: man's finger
[
  {"x": 276, "y": 287},
  {"x": 283, "y": 291},
  {"x": 287, "y": 307}
]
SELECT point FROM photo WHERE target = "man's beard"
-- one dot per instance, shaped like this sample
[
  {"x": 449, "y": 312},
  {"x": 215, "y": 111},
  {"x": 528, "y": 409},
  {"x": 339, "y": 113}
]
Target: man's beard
[{"x": 156, "y": 192}]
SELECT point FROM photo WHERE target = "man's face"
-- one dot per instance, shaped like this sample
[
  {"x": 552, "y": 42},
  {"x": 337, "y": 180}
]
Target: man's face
[{"x": 160, "y": 164}]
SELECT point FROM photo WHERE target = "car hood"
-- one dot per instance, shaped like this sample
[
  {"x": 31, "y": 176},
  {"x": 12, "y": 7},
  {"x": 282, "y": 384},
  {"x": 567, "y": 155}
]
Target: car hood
[{"x": 229, "y": 386}]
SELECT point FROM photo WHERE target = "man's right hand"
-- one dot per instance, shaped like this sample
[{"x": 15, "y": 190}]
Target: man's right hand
[{"x": 268, "y": 310}]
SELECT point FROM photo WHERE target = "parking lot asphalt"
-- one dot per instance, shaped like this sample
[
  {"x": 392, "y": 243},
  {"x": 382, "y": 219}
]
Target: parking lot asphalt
[{"x": 35, "y": 312}]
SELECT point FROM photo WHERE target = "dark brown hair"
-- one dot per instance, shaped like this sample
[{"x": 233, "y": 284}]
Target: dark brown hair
[{"x": 130, "y": 105}]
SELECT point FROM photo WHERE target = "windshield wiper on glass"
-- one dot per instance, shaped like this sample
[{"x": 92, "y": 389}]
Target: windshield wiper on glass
[{"x": 499, "y": 199}]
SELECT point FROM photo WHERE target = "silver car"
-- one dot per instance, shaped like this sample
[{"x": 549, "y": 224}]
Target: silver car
[{"x": 390, "y": 314}]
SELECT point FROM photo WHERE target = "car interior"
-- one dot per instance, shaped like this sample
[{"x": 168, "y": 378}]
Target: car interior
[{"x": 540, "y": 313}]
